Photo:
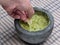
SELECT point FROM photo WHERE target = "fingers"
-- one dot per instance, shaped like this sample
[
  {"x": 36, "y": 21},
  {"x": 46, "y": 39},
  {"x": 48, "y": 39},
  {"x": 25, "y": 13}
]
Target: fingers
[
  {"x": 10, "y": 8},
  {"x": 15, "y": 16},
  {"x": 22, "y": 14},
  {"x": 25, "y": 9}
]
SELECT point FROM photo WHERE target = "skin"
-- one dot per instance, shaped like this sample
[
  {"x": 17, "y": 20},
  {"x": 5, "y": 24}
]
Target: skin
[{"x": 18, "y": 9}]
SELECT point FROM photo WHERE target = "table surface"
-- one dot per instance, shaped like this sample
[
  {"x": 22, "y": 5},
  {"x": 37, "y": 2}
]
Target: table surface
[{"x": 8, "y": 35}]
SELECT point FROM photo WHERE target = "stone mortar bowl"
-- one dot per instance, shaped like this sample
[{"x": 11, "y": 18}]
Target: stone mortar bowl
[{"x": 35, "y": 37}]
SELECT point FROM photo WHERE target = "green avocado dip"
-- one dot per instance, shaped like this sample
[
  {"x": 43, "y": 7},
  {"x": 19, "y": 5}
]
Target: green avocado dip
[{"x": 38, "y": 22}]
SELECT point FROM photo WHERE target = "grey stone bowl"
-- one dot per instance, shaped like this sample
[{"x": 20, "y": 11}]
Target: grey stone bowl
[{"x": 35, "y": 37}]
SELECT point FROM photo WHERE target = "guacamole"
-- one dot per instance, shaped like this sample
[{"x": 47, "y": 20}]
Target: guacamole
[{"x": 38, "y": 22}]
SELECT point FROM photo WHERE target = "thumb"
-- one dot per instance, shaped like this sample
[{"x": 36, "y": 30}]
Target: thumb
[{"x": 30, "y": 12}]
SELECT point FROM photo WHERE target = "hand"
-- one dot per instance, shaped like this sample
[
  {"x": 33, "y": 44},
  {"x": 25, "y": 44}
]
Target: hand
[{"x": 18, "y": 9}]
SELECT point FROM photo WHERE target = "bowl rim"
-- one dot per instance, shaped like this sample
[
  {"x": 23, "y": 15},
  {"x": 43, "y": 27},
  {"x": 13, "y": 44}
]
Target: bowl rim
[{"x": 51, "y": 18}]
